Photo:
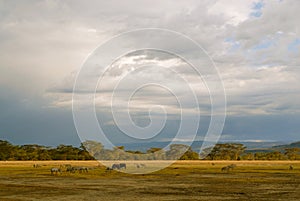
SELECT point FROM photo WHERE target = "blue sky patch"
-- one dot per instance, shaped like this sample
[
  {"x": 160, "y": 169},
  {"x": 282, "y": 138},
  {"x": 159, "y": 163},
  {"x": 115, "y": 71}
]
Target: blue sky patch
[
  {"x": 235, "y": 45},
  {"x": 294, "y": 46},
  {"x": 257, "y": 9},
  {"x": 264, "y": 44},
  {"x": 258, "y": 5}
]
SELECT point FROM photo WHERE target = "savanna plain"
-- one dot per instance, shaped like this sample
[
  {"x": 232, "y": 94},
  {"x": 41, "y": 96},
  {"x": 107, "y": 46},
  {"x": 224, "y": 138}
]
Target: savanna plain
[{"x": 183, "y": 180}]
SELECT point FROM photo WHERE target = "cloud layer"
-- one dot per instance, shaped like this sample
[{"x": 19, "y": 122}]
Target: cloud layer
[{"x": 254, "y": 44}]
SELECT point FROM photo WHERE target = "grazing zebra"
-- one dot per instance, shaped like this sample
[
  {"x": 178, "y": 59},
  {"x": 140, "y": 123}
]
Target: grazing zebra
[
  {"x": 70, "y": 169},
  {"x": 55, "y": 170},
  {"x": 122, "y": 165},
  {"x": 225, "y": 169},
  {"x": 118, "y": 166},
  {"x": 36, "y": 165},
  {"x": 140, "y": 165},
  {"x": 74, "y": 169},
  {"x": 83, "y": 169},
  {"x": 232, "y": 166},
  {"x": 68, "y": 165},
  {"x": 228, "y": 167},
  {"x": 115, "y": 166},
  {"x": 79, "y": 169}
]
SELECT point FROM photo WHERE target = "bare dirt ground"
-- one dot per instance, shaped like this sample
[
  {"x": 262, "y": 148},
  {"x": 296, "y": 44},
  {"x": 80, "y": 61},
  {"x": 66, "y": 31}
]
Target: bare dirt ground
[{"x": 184, "y": 180}]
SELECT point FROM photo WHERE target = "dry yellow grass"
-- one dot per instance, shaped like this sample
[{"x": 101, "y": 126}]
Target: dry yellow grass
[{"x": 184, "y": 180}]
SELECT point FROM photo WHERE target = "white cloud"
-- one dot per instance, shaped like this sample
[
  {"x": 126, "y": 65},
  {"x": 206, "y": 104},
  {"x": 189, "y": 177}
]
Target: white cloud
[{"x": 235, "y": 11}]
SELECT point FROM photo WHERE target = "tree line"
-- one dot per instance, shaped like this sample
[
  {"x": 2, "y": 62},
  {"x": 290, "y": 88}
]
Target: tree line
[
  {"x": 175, "y": 151},
  {"x": 9, "y": 151},
  {"x": 92, "y": 150},
  {"x": 233, "y": 151}
]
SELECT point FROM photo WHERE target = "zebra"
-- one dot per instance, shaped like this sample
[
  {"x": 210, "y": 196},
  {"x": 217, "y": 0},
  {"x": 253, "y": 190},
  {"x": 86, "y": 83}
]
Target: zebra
[
  {"x": 232, "y": 166},
  {"x": 122, "y": 165},
  {"x": 83, "y": 169},
  {"x": 70, "y": 169},
  {"x": 140, "y": 165},
  {"x": 228, "y": 167},
  {"x": 55, "y": 170},
  {"x": 79, "y": 169},
  {"x": 115, "y": 166},
  {"x": 37, "y": 165},
  {"x": 225, "y": 169},
  {"x": 108, "y": 169},
  {"x": 118, "y": 166},
  {"x": 68, "y": 165}
]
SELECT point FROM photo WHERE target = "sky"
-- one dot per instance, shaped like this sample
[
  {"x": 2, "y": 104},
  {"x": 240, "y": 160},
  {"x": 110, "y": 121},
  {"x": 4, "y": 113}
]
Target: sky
[{"x": 255, "y": 47}]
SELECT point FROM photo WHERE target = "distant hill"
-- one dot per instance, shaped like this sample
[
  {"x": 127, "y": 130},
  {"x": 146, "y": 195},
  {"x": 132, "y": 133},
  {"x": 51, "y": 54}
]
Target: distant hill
[
  {"x": 252, "y": 146},
  {"x": 292, "y": 145},
  {"x": 280, "y": 148}
]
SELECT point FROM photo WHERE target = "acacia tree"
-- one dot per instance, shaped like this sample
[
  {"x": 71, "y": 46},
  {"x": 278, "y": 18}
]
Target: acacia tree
[
  {"x": 276, "y": 155},
  {"x": 94, "y": 148},
  {"x": 190, "y": 155},
  {"x": 155, "y": 153},
  {"x": 292, "y": 153},
  {"x": 182, "y": 152},
  {"x": 227, "y": 151},
  {"x": 176, "y": 151},
  {"x": 33, "y": 152},
  {"x": 65, "y": 152},
  {"x": 7, "y": 150},
  {"x": 248, "y": 156}
]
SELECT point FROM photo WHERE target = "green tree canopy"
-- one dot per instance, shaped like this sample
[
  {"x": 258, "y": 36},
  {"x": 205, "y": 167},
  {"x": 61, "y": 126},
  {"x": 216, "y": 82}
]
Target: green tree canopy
[{"x": 227, "y": 151}]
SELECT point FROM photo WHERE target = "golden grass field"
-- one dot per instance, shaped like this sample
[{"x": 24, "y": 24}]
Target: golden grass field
[{"x": 184, "y": 180}]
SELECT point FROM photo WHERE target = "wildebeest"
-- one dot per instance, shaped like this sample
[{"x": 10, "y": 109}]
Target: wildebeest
[
  {"x": 55, "y": 170},
  {"x": 291, "y": 167}
]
